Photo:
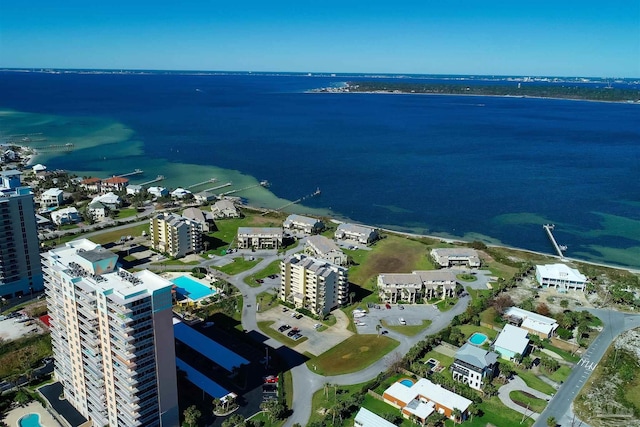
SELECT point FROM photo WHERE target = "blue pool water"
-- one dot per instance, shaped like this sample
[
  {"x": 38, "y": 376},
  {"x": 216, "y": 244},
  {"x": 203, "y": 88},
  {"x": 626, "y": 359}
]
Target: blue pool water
[
  {"x": 406, "y": 382},
  {"x": 192, "y": 289},
  {"x": 30, "y": 420},
  {"x": 478, "y": 338}
]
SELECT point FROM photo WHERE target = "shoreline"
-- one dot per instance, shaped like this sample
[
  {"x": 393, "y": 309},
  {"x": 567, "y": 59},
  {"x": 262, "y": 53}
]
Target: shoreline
[{"x": 386, "y": 92}]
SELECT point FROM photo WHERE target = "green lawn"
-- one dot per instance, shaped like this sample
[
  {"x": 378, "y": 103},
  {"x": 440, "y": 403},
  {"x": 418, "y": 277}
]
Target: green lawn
[
  {"x": 352, "y": 355},
  {"x": 267, "y": 301},
  {"x": 496, "y": 414},
  {"x": 228, "y": 228},
  {"x": 265, "y": 327},
  {"x": 273, "y": 268},
  {"x": 488, "y": 316},
  {"x": 466, "y": 277},
  {"x": 560, "y": 374},
  {"x": 562, "y": 353},
  {"x": 526, "y": 400},
  {"x": 533, "y": 381},
  {"x": 115, "y": 235},
  {"x": 408, "y": 330},
  {"x": 324, "y": 399},
  {"x": 238, "y": 265},
  {"x": 126, "y": 213},
  {"x": 381, "y": 408},
  {"x": 446, "y": 304},
  {"x": 468, "y": 330}
]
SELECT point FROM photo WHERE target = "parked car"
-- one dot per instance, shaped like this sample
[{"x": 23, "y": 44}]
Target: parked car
[
  {"x": 401, "y": 307},
  {"x": 402, "y": 321},
  {"x": 388, "y": 306}
]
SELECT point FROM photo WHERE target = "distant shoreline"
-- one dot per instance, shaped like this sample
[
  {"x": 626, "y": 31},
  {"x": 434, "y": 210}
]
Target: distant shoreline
[{"x": 616, "y": 96}]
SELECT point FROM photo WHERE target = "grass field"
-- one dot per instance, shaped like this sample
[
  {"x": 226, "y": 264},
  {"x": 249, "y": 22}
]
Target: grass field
[
  {"x": 273, "y": 268},
  {"x": 496, "y": 414},
  {"x": 560, "y": 374},
  {"x": 352, "y": 355},
  {"x": 408, "y": 330},
  {"x": 18, "y": 355},
  {"x": 126, "y": 213},
  {"x": 228, "y": 228},
  {"x": 115, "y": 235},
  {"x": 526, "y": 400},
  {"x": 324, "y": 399},
  {"x": 533, "y": 381},
  {"x": 238, "y": 265}
]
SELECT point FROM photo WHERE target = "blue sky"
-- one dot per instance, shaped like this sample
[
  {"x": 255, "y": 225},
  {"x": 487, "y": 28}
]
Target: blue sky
[{"x": 565, "y": 38}]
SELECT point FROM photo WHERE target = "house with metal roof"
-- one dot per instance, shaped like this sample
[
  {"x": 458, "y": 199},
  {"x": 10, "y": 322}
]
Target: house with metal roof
[
  {"x": 52, "y": 197},
  {"x": 542, "y": 326},
  {"x": 511, "y": 341},
  {"x": 472, "y": 364},
  {"x": 561, "y": 277},
  {"x": 366, "y": 418}
]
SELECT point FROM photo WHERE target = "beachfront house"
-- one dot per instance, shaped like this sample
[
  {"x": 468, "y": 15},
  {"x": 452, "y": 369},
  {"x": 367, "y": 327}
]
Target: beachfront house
[
  {"x": 472, "y": 364},
  {"x": 323, "y": 248},
  {"x": 259, "y": 237},
  {"x": 158, "y": 191},
  {"x": 180, "y": 193},
  {"x": 511, "y": 341},
  {"x": 416, "y": 286},
  {"x": 424, "y": 398},
  {"x": 115, "y": 183},
  {"x": 133, "y": 189},
  {"x": 224, "y": 208},
  {"x": 204, "y": 218},
  {"x": 65, "y": 216},
  {"x": 561, "y": 277},
  {"x": 91, "y": 184},
  {"x": 303, "y": 224},
  {"x": 534, "y": 323},
  {"x": 204, "y": 197},
  {"x": 448, "y": 257},
  {"x": 52, "y": 197},
  {"x": 356, "y": 233}
]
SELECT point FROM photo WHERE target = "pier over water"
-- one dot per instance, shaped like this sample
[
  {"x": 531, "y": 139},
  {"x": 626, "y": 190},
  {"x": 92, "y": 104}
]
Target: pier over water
[{"x": 559, "y": 249}]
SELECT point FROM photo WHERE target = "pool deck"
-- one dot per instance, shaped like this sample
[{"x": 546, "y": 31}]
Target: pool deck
[{"x": 46, "y": 420}]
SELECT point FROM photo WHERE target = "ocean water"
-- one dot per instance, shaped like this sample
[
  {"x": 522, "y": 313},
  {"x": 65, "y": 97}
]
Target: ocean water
[{"x": 487, "y": 168}]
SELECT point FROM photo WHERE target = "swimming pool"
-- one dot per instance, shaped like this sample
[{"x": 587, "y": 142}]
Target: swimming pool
[
  {"x": 406, "y": 382},
  {"x": 30, "y": 420},
  {"x": 478, "y": 338},
  {"x": 191, "y": 289}
]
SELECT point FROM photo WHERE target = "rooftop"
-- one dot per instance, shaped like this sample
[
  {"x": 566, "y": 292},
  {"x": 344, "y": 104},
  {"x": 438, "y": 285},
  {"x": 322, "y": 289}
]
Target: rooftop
[
  {"x": 513, "y": 339},
  {"x": 476, "y": 356}
]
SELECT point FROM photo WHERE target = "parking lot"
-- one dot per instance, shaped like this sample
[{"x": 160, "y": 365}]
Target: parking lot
[
  {"x": 317, "y": 342},
  {"x": 411, "y": 314}
]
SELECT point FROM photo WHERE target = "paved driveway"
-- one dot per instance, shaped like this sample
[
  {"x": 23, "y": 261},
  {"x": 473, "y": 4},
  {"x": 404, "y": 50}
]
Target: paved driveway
[{"x": 412, "y": 315}]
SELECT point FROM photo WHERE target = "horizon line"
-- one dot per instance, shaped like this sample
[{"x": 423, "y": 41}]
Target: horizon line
[{"x": 304, "y": 73}]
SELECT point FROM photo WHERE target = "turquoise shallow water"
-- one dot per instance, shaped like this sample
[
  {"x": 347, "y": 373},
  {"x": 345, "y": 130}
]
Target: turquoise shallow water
[
  {"x": 486, "y": 168},
  {"x": 30, "y": 420}
]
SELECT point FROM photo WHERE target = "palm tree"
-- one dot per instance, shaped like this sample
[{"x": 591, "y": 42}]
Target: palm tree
[
  {"x": 457, "y": 414},
  {"x": 191, "y": 416}
]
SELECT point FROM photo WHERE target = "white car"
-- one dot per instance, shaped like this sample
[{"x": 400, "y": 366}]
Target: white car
[{"x": 402, "y": 321}]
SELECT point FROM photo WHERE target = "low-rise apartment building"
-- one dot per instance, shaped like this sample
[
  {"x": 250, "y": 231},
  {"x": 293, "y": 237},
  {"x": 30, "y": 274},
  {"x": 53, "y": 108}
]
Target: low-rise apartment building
[
  {"x": 303, "y": 224},
  {"x": 323, "y": 248},
  {"x": 448, "y": 257},
  {"x": 225, "y": 208},
  {"x": 417, "y": 286},
  {"x": 259, "y": 237},
  {"x": 175, "y": 235},
  {"x": 313, "y": 284},
  {"x": 356, "y": 233}
]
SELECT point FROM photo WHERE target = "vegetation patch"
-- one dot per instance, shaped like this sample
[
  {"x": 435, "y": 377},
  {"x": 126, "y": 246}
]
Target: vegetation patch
[
  {"x": 271, "y": 269},
  {"x": 527, "y": 400},
  {"x": 408, "y": 330},
  {"x": 352, "y": 355},
  {"x": 23, "y": 355},
  {"x": 239, "y": 265}
]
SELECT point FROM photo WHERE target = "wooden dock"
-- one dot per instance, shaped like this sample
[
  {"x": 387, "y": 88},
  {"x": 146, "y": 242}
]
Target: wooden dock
[
  {"x": 308, "y": 196},
  {"x": 135, "y": 172},
  {"x": 226, "y": 184},
  {"x": 559, "y": 249},
  {"x": 209, "y": 181},
  {"x": 158, "y": 178}
]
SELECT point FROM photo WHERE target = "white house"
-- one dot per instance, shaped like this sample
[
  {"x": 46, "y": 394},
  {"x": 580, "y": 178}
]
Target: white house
[
  {"x": 366, "y": 418},
  {"x": 304, "y": 224},
  {"x": 224, "y": 209},
  {"x": 52, "y": 197},
  {"x": 511, "y": 341},
  {"x": 133, "y": 189},
  {"x": 39, "y": 168},
  {"x": 204, "y": 197},
  {"x": 447, "y": 257},
  {"x": 357, "y": 233},
  {"x": 109, "y": 200},
  {"x": 158, "y": 191},
  {"x": 64, "y": 216},
  {"x": 561, "y": 277},
  {"x": 542, "y": 326},
  {"x": 472, "y": 364},
  {"x": 97, "y": 210},
  {"x": 180, "y": 193}
]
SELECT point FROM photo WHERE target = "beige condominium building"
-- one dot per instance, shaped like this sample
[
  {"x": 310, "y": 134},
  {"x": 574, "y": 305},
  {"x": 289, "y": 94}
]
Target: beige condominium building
[
  {"x": 112, "y": 337},
  {"x": 314, "y": 284},
  {"x": 175, "y": 235},
  {"x": 259, "y": 237}
]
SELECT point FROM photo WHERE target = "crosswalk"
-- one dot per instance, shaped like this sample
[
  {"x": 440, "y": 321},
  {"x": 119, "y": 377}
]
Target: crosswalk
[{"x": 587, "y": 364}]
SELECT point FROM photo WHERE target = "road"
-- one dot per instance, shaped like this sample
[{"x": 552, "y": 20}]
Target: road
[{"x": 560, "y": 406}]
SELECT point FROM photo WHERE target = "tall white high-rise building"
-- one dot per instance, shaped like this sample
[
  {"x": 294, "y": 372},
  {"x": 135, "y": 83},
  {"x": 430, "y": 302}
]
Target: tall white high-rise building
[
  {"x": 20, "y": 271},
  {"x": 112, "y": 337},
  {"x": 317, "y": 285}
]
